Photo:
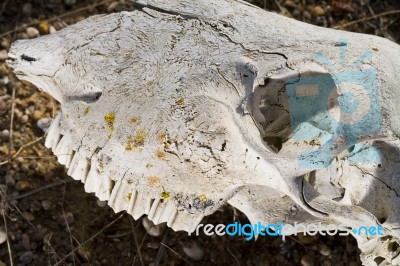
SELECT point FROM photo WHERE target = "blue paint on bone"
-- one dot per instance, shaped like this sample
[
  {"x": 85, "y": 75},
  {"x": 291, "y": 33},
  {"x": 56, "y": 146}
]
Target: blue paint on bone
[
  {"x": 310, "y": 106},
  {"x": 365, "y": 154}
]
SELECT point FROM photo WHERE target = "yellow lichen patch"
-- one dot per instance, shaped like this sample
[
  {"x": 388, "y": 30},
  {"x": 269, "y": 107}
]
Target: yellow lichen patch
[
  {"x": 162, "y": 155},
  {"x": 181, "y": 101},
  {"x": 135, "y": 120},
  {"x": 129, "y": 196},
  {"x": 149, "y": 165},
  {"x": 154, "y": 181},
  {"x": 136, "y": 141},
  {"x": 110, "y": 118},
  {"x": 164, "y": 195},
  {"x": 86, "y": 110},
  {"x": 161, "y": 136},
  {"x": 202, "y": 197}
]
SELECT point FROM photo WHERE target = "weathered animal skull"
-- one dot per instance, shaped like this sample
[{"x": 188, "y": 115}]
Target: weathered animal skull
[{"x": 181, "y": 106}]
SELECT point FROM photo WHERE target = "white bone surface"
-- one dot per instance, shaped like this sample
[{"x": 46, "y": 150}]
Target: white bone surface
[{"x": 170, "y": 111}]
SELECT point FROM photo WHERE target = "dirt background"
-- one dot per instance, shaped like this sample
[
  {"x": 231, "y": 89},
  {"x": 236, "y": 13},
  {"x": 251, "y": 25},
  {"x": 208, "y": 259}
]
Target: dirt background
[{"x": 50, "y": 220}]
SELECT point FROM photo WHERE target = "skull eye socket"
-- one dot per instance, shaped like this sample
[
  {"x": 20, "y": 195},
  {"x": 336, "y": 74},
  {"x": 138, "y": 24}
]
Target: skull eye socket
[{"x": 288, "y": 100}]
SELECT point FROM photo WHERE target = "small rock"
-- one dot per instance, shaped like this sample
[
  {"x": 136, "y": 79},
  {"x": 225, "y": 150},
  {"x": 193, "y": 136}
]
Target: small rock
[
  {"x": 24, "y": 119},
  {"x": 306, "y": 261},
  {"x": 112, "y": 6},
  {"x": 101, "y": 204},
  {"x": 290, "y": 3},
  {"x": 32, "y": 32},
  {"x": 193, "y": 251},
  {"x": 318, "y": 11},
  {"x": 23, "y": 185},
  {"x": 151, "y": 228},
  {"x": 44, "y": 124},
  {"x": 52, "y": 29},
  {"x": 67, "y": 219},
  {"x": 26, "y": 243},
  {"x": 85, "y": 253},
  {"x": 46, "y": 205},
  {"x": 324, "y": 250},
  {"x": 37, "y": 114},
  {"x": 27, "y": 257},
  {"x": 3, "y": 236},
  {"x": 28, "y": 216},
  {"x": 5, "y": 134},
  {"x": 3, "y": 55},
  {"x": 44, "y": 28},
  {"x": 2, "y": 263},
  {"x": 5, "y": 44}
]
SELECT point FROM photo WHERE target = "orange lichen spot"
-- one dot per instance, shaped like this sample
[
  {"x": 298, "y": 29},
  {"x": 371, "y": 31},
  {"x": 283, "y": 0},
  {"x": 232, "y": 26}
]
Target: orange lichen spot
[
  {"x": 136, "y": 141},
  {"x": 202, "y": 197},
  {"x": 164, "y": 195},
  {"x": 375, "y": 49},
  {"x": 86, "y": 110},
  {"x": 129, "y": 196},
  {"x": 161, "y": 136},
  {"x": 181, "y": 101},
  {"x": 135, "y": 120},
  {"x": 110, "y": 118},
  {"x": 154, "y": 181},
  {"x": 162, "y": 155}
]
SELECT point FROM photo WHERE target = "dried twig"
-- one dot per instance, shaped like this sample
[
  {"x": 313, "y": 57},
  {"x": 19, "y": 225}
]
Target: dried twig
[{"x": 392, "y": 12}]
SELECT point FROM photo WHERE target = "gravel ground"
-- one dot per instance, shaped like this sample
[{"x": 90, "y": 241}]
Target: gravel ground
[{"x": 52, "y": 221}]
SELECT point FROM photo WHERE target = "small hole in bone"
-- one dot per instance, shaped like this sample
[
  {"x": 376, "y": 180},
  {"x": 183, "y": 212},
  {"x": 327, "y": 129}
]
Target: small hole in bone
[
  {"x": 275, "y": 143},
  {"x": 380, "y": 260},
  {"x": 393, "y": 246},
  {"x": 382, "y": 220}
]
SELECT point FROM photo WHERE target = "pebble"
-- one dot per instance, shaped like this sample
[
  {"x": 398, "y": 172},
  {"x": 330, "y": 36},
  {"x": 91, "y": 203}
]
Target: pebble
[
  {"x": 29, "y": 216},
  {"x": 3, "y": 55},
  {"x": 318, "y": 11},
  {"x": 52, "y": 29},
  {"x": 5, "y": 134},
  {"x": 3, "y": 236},
  {"x": 324, "y": 250},
  {"x": 193, "y": 251},
  {"x": 111, "y": 7},
  {"x": 37, "y": 114},
  {"x": 101, "y": 203},
  {"x": 23, "y": 185},
  {"x": 32, "y": 32},
  {"x": 26, "y": 243},
  {"x": 44, "y": 28},
  {"x": 5, "y": 43},
  {"x": 67, "y": 219},
  {"x": 24, "y": 119},
  {"x": 85, "y": 253},
  {"x": 46, "y": 205},
  {"x": 289, "y": 3},
  {"x": 27, "y": 257},
  {"x": 306, "y": 261},
  {"x": 152, "y": 229},
  {"x": 44, "y": 124}
]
